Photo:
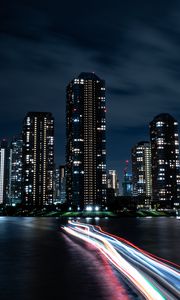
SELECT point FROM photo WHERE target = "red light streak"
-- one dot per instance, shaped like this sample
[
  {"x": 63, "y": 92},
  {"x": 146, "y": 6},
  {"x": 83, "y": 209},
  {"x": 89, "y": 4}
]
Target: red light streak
[
  {"x": 106, "y": 248},
  {"x": 155, "y": 257}
]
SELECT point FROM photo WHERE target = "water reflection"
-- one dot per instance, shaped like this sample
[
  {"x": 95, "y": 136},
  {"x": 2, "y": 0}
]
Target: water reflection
[
  {"x": 39, "y": 262},
  {"x": 99, "y": 278}
]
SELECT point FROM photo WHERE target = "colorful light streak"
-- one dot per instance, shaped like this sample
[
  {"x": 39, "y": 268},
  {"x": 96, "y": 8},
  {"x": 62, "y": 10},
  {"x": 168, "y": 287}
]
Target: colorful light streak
[
  {"x": 112, "y": 248},
  {"x": 110, "y": 285},
  {"x": 165, "y": 271},
  {"x": 139, "y": 249}
]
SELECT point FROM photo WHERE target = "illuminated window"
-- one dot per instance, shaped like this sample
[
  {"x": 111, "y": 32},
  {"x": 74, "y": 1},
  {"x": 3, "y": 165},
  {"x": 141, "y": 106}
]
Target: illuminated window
[{"x": 159, "y": 124}]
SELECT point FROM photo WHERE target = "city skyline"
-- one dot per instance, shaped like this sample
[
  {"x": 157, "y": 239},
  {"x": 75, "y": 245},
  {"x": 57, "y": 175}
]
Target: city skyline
[
  {"x": 89, "y": 149},
  {"x": 136, "y": 52},
  {"x": 121, "y": 161},
  {"x": 29, "y": 173}
]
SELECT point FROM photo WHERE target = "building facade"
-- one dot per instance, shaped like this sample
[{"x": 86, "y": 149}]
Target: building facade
[
  {"x": 15, "y": 179},
  {"x": 4, "y": 172},
  {"x": 86, "y": 141},
  {"x": 56, "y": 182},
  {"x": 60, "y": 185},
  {"x": 62, "y": 177},
  {"x": 141, "y": 169},
  {"x": 165, "y": 160},
  {"x": 38, "y": 159},
  {"x": 113, "y": 182},
  {"x": 127, "y": 189}
]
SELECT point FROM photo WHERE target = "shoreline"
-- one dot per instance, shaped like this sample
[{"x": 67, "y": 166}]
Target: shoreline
[{"x": 82, "y": 214}]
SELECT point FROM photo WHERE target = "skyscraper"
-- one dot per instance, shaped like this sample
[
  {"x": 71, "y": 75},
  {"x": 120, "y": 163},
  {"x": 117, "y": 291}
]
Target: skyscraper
[
  {"x": 62, "y": 177},
  {"x": 56, "y": 185},
  {"x": 165, "y": 160},
  {"x": 60, "y": 185},
  {"x": 113, "y": 182},
  {"x": 127, "y": 184},
  {"x": 38, "y": 158},
  {"x": 4, "y": 172},
  {"x": 86, "y": 141},
  {"x": 141, "y": 169},
  {"x": 15, "y": 178}
]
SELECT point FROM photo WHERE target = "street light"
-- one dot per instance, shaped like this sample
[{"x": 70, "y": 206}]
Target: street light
[{"x": 89, "y": 208}]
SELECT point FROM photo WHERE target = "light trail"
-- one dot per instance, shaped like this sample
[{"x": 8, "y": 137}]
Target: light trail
[
  {"x": 153, "y": 278},
  {"x": 159, "y": 269},
  {"x": 131, "y": 273},
  {"x": 139, "y": 249},
  {"x": 110, "y": 286}
]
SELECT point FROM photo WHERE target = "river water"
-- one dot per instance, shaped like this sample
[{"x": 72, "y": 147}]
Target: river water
[{"x": 39, "y": 261}]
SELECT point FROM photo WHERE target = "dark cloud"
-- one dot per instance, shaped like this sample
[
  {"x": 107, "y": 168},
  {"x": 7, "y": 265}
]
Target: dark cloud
[
  {"x": 133, "y": 45},
  {"x": 126, "y": 91}
]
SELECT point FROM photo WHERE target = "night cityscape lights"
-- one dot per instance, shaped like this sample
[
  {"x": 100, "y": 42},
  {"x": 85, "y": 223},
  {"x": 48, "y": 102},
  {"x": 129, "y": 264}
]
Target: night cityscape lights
[
  {"x": 29, "y": 175},
  {"x": 89, "y": 150},
  {"x": 165, "y": 160},
  {"x": 38, "y": 159},
  {"x": 86, "y": 141},
  {"x": 141, "y": 169}
]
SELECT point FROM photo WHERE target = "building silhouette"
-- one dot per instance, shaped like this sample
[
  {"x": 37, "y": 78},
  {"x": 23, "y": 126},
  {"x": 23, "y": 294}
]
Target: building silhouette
[
  {"x": 38, "y": 159},
  {"x": 165, "y": 160},
  {"x": 86, "y": 141},
  {"x": 141, "y": 169}
]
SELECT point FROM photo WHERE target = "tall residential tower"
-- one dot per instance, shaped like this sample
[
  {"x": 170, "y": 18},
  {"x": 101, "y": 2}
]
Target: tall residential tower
[
  {"x": 15, "y": 178},
  {"x": 141, "y": 169},
  {"x": 113, "y": 182},
  {"x": 38, "y": 159},
  {"x": 86, "y": 141},
  {"x": 62, "y": 179},
  {"x": 165, "y": 160},
  {"x": 4, "y": 172}
]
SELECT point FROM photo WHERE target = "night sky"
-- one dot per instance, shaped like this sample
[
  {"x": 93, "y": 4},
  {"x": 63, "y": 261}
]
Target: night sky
[{"x": 133, "y": 45}]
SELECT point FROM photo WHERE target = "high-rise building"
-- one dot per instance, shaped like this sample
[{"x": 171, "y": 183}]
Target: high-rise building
[
  {"x": 86, "y": 141},
  {"x": 62, "y": 177},
  {"x": 165, "y": 160},
  {"x": 38, "y": 158},
  {"x": 113, "y": 182},
  {"x": 141, "y": 169},
  {"x": 56, "y": 181},
  {"x": 4, "y": 172},
  {"x": 127, "y": 184},
  {"x": 15, "y": 178}
]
